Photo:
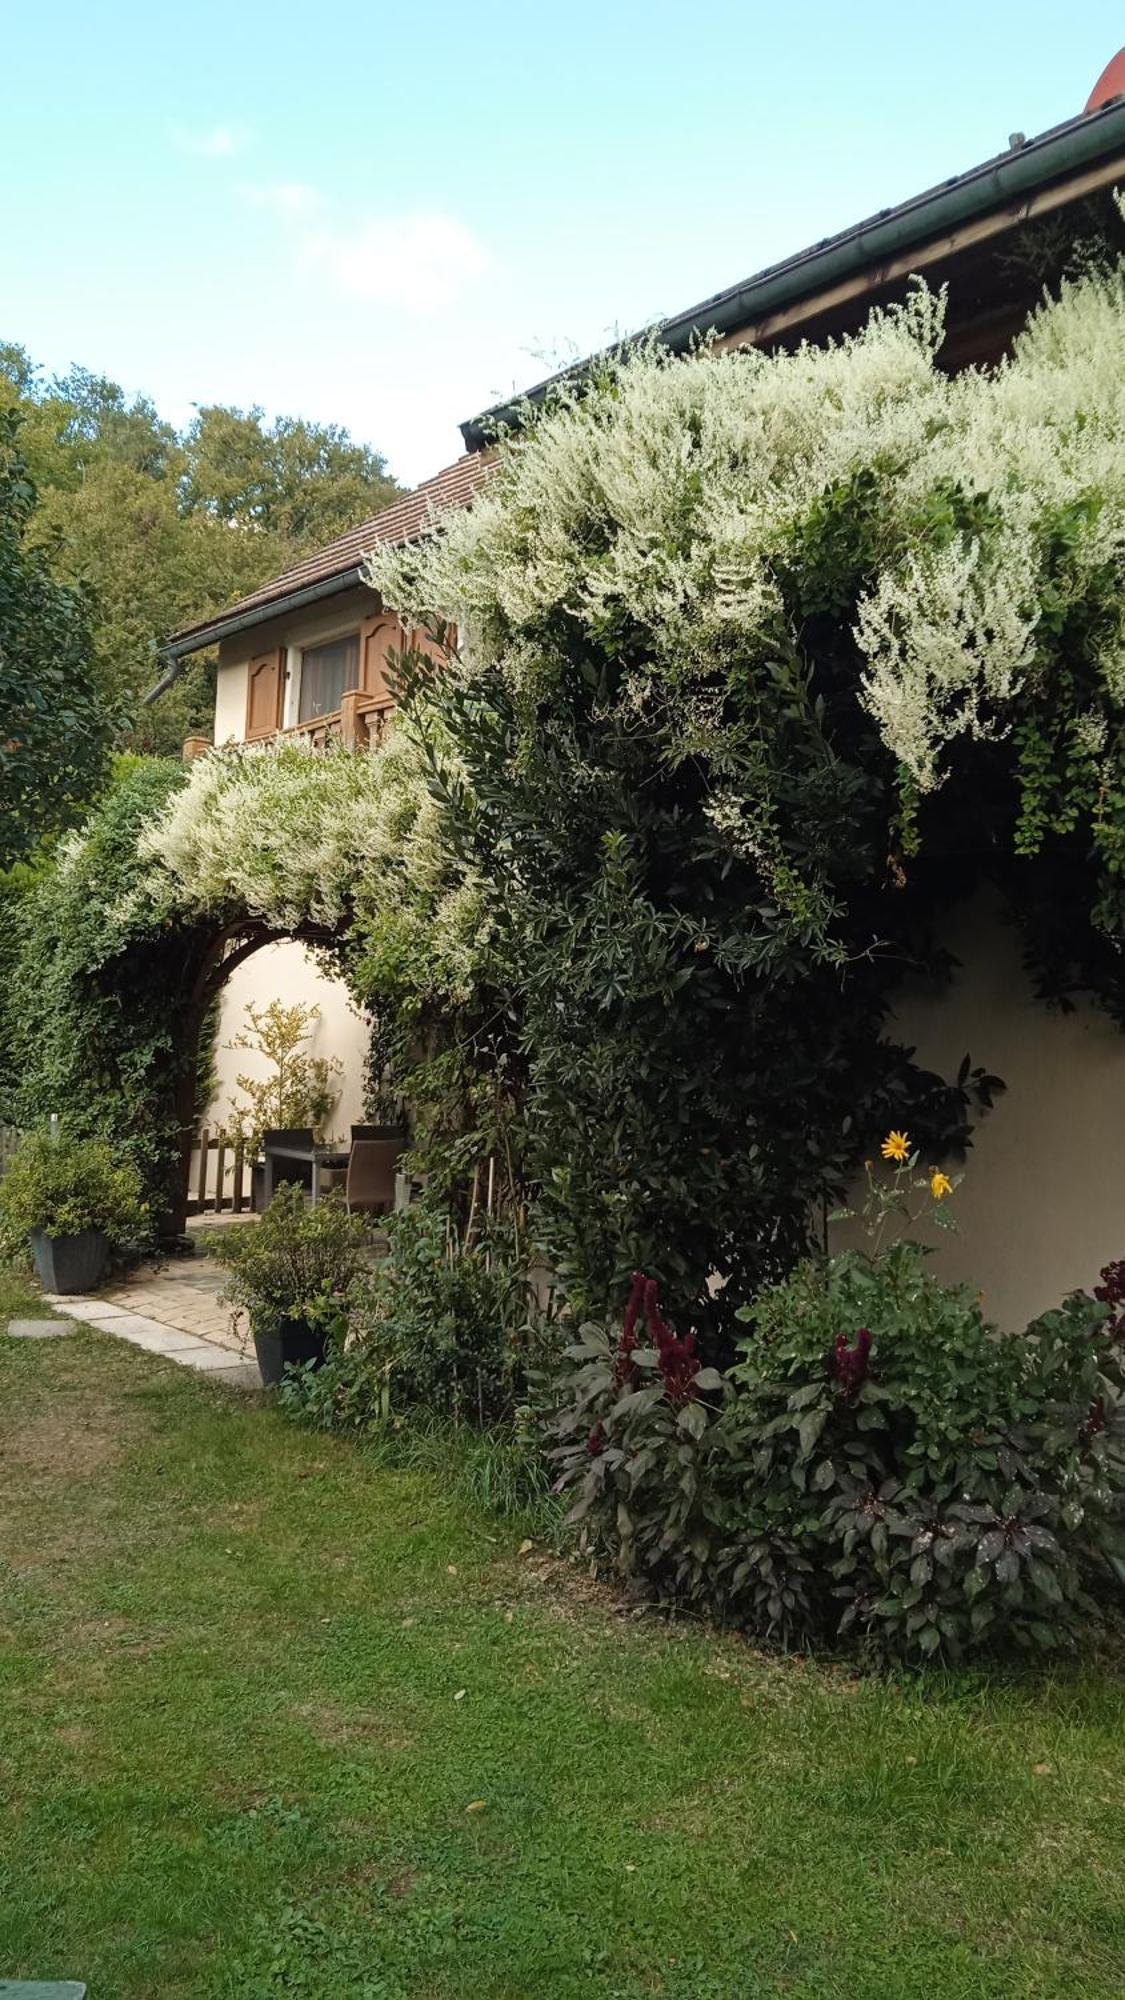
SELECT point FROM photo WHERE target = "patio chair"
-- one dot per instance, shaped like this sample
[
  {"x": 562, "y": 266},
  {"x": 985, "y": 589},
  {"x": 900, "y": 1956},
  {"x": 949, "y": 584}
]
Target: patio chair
[
  {"x": 371, "y": 1175},
  {"x": 277, "y": 1143}
]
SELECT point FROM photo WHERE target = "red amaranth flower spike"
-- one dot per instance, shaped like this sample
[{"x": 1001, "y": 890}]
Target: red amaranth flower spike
[
  {"x": 852, "y": 1362},
  {"x": 1095, "y": 1419},
  {"x": 624, "y": 1367},
  {"x": 677, "y": 1359}
]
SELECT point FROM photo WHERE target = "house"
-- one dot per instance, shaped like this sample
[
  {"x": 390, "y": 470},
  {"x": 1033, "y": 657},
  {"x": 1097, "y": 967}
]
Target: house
[{"x": 306, "y": 654}]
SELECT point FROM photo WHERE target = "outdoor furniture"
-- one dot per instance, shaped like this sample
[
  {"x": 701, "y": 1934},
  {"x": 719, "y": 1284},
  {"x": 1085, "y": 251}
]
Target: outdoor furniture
[
  {"x": 297, "y": 1143},
  {"x": 372, "y": 1174}
]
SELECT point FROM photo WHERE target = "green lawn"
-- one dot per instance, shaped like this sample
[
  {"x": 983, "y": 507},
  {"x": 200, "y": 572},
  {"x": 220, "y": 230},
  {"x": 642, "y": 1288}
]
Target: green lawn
[{"x": 274, "y": 1721}]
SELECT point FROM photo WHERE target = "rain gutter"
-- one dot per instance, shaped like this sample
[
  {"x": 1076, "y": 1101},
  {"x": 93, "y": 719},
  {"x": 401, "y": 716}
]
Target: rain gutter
[
  {"x": 175, "y": 654},
  {"x": 1027, "y": 167}
]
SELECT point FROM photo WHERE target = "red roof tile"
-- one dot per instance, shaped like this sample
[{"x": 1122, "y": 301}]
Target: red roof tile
[{"x": 400, "y": 522}]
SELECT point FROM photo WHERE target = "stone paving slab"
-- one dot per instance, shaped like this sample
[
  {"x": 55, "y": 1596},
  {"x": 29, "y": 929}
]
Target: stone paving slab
[
  {"x": 188, "y": 1345},
  {"x": 39, "y": 1329},
  {"x": 93, "y": 1310},
  {"x": 205, "y": 1357},
  {"x": 148, "y": 1333}
]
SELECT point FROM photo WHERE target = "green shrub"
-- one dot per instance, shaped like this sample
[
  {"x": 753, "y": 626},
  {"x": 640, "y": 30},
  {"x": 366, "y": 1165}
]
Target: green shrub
[
  {"x": 881, "y": 1467},
  {"x": 440, "y": 1326},
  {"x": 64, "y": 1186},
  {"x": 294, "y": 1262}
]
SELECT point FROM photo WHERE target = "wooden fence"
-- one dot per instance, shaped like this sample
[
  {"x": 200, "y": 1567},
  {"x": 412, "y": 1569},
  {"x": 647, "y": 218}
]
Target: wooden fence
[
  {"x": 10, "y": 1136},
  {"x": 220, "y": 1175}
]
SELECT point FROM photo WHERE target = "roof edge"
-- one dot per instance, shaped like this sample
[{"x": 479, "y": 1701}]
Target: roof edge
[
  {"x": 1080, "y": 141},
  {"x": 194, "y": 637}
]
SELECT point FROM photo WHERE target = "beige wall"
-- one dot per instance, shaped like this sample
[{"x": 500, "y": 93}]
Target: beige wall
[
  {"x": 1042, "y": 1204},
  {"x": 286, "y": 971},
  {"x": 331, "y": 618}
]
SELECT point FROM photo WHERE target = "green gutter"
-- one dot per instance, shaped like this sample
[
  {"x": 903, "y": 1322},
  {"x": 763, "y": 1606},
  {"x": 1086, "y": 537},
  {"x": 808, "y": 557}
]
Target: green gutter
[
  {"x": 1065, "y": 150},
  {"x": 175, "y": 654}
]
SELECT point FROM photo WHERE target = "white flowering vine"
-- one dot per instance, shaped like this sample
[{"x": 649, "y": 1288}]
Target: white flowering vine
[{"x": 671, "y": 498}]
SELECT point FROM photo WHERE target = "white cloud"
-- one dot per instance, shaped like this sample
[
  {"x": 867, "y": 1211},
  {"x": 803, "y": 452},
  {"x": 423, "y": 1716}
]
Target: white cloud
[
  {"x": 293, "y": 201},
  {"x": 218, "y": 142},
  {"x": 412, "y": 261}
]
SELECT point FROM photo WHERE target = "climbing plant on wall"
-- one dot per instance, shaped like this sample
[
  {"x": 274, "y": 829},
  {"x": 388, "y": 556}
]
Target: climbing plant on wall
[
  {"x": 115, "y": 951},
  {"x": 764, "y": 660}
]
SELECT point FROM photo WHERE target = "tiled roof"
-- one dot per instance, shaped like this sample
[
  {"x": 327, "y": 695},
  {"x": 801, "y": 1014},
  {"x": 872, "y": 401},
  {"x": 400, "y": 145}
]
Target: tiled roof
[{"x": 400, "y": 522}]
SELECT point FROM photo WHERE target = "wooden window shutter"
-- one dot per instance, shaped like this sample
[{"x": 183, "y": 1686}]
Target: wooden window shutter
[
  {"x": 265, "y": 690},
  {"x": 376, "y": 638},
  {"x": 423, "y": 641}
]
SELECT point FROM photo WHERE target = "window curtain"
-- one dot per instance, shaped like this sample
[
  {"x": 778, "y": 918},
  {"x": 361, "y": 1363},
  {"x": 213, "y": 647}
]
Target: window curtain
[{"x": 326, "y": 674}]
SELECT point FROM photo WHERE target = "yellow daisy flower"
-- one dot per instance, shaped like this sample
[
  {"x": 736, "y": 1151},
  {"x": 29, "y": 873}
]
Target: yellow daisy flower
[
  {"x": 896, "y": 1146},
  {"x": 940, "y": 1185}
]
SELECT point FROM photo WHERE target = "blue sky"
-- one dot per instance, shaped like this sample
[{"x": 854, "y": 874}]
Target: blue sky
[{"x": 388, "y": 216}]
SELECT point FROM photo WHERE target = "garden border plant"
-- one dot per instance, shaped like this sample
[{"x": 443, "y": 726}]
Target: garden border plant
[{"x": 880, "y": 1467}]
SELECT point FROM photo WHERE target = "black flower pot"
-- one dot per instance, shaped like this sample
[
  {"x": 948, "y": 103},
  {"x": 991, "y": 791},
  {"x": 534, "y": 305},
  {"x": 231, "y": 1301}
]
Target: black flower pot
[
  {"x": 70, "y": 1263},
  {"x": 291, "y": 1344}
]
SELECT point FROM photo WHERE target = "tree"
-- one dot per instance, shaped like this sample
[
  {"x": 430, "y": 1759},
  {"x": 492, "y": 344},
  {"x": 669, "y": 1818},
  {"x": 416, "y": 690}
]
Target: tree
[
  {"x": 55, "y": 728},
  {"x": 305, "y": 482},
  {"x": 168, "y": 528}
]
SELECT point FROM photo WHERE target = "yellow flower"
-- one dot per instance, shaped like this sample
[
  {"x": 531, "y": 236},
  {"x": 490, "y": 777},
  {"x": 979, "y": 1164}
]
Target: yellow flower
[
  {"x": 896, "y": 1146},
  {"x": 940, "y": 1185}
]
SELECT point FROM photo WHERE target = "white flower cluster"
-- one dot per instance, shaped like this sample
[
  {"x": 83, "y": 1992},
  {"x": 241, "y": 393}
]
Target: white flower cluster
[
  {"x": 670, "y": 497},
  {"x": 293, "y": 835}
]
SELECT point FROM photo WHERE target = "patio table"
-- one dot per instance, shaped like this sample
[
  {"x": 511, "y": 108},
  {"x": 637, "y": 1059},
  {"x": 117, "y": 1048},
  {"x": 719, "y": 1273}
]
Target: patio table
[{"x": 316, "y": 1157}]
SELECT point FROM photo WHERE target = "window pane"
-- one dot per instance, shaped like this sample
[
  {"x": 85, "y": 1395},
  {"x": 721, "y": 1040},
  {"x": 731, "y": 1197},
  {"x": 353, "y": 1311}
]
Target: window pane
[{"x": 327, "y": 672}]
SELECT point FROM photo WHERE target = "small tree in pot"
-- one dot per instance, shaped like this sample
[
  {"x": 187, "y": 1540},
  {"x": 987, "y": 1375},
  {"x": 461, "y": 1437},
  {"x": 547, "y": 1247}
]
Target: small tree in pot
[
  {"x": 291, "y": 1272},
  {"x": 73, "y": 1200},
  {"x": 296, "y": 1088}
]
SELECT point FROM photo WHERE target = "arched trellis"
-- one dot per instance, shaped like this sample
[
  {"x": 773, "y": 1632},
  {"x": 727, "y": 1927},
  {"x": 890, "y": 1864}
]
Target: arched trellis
[{"x": 205, "y": 974}]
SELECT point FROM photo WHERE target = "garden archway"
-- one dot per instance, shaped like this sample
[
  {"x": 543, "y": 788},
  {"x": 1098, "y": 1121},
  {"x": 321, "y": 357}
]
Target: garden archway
[{"x": 212, "y": 965}]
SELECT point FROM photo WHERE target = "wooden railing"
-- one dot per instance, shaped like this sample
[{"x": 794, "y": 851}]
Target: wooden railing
[
  {"x": 10, "y": 1136},
  {"x": 359, "y": 723},
  {"x": 220, "y": 1175}
]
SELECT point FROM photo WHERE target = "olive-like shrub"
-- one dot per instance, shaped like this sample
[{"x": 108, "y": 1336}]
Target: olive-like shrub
[
  {"x": 65, "y": 1186},
  {"x": 444, "y": 1329},
  {"x": 881, "y": 1468}
]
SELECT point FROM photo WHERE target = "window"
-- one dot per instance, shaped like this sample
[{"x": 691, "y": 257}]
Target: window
[{"x": 327, "y": 672}]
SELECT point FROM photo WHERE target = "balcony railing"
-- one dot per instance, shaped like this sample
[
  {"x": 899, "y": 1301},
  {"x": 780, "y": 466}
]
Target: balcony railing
[{"x": 359, "y": 722}]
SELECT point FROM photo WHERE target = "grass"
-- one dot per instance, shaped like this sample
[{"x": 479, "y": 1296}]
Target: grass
[{"x": 276, "y": 1720}]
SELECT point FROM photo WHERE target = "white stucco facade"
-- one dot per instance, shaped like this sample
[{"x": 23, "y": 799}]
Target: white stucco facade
[{"x": 1042, "y": 1204}]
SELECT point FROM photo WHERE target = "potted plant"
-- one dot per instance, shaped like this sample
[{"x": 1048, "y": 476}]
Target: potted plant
[
  {"x": 74, "y": 1200},
  {"x": 291, "y": 1272},
  {"x": 295, "y": 1090}
]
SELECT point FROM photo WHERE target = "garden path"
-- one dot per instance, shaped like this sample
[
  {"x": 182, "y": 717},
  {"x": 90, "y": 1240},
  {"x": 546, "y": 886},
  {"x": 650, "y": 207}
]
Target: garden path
[{"x": 173, "y": 1310}]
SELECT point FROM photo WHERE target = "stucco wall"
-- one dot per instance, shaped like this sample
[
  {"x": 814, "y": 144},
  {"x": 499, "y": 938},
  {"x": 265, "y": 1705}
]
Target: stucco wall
[
  {"x": 328, "y": 619},
  {"x": 286, "y": 971},
  {"x": 230, "y": 702},
  {"x": 1042, "y": 1204}
]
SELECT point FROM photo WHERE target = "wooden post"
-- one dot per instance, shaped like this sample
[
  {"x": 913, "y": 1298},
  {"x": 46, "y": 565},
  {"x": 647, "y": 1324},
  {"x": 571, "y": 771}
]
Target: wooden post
[
  {"x": 196, "y": 746},
  {"x": 220, "y": 1173},
  {"x": 353, "y": 727},
  {"x": 204, "y": 1150},
  {"x": 236, "y": 1191}
]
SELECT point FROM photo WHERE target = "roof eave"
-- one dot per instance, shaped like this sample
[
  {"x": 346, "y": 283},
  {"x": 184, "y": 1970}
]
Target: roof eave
[
  {"x": 1063, "y": 151},
  {"x": 196, "y": 637}
]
